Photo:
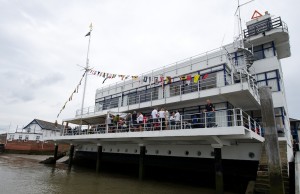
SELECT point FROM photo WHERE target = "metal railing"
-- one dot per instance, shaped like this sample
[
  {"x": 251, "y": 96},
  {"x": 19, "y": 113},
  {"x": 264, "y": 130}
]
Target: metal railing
[
  {"x": 181, "y": 89},
  {"x": 264, "y": 26},
  {"x": 216, "y": 119}
]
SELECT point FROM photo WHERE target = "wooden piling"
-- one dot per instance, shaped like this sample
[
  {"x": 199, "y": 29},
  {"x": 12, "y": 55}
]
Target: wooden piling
[
  {"x": 141, "y": 163},
  {"x": 218, "y": 171},
  {"x": 71, "y": 155},
  {"x": 55, "y": 153},
  {"x": 271, "y": 141},
  {"x": 99, "y": 158}
]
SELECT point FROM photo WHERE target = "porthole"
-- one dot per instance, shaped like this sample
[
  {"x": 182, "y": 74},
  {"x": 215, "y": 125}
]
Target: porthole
[
  {"x": 251, "y": 155},
  {"x": 199, "y": 153},
  {"x": 169, "y": 152},
  {"x": 156, "y": 151},
  {"x": 187, "y": 153}
]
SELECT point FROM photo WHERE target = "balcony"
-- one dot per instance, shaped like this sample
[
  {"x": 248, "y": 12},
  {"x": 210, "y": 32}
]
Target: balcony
[
  {"x": 240, "y": 89},
  {"x": 230, "y": 124}
]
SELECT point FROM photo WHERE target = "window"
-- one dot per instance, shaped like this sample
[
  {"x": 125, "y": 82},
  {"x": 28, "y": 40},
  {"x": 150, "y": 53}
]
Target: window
[
  {"x": 26, "y": 138},
  {"x": 269, "y": 79},
  {"x": 38, "y": 138},
  {"x": 11, "y": 137},
  {"x": 264, "y": 51},
  {"x": 20, "y": 137}
]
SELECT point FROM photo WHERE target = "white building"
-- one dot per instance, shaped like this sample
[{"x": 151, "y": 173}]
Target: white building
[{"x": 36, "y": 130}]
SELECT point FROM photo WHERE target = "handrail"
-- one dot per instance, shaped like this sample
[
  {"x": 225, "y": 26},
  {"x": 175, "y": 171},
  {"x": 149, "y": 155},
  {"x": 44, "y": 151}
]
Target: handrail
[
  {"x": 264, "y": 26},
  {"x": 216, "y": 119},
  {"x": 175, "y": 64},
  {"x": 179, "y": 90}
]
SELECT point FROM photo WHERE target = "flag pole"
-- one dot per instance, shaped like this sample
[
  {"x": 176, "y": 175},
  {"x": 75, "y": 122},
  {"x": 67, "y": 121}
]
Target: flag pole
[{"x": 86, "y": 71}]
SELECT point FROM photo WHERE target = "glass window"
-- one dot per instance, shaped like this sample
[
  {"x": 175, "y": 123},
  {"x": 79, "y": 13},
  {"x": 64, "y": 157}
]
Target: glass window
[
  {"x": 269, "y": 79},
  {"x": 271, "y": 74},
  {"x": 260, "y": 76},
  {"x": 26, "y": 137},
  {"x": 20, "y": 137}
]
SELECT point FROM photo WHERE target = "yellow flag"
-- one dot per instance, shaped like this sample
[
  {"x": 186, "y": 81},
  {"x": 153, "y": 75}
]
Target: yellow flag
[{"x": 196, "y": 78}]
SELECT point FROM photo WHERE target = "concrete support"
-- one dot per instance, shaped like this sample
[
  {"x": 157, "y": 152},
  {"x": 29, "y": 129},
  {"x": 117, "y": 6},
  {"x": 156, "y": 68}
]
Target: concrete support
[
  {"x": 55, "y": 153},
  {"x": 219, "y": 171},
  {"x": 271, "y": 141},
  {"x": 99, "y": 158},
  {"x": 141, "y": 163},
  {"x": 71, "y": 155}
]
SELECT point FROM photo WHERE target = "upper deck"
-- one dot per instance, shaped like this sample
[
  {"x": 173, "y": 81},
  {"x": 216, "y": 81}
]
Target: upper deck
[{"x": 219, "y": 81}]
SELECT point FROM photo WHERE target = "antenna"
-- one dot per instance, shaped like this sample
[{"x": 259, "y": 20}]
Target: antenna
[
  {"x": 238, "y": 14},
  {"x": 86, "y": 70}
]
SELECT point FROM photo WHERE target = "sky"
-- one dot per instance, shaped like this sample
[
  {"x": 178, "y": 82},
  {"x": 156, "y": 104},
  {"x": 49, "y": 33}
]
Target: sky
[{"x": 43, "y": 47}]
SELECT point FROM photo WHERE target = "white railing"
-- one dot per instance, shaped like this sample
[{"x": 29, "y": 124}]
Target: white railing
[
  {"x": 216, "y": 119},
  {"x": 179, "y": 90}
]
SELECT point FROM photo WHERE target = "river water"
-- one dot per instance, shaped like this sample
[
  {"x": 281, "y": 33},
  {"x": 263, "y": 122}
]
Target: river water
[{"x": 24, "y": 174}]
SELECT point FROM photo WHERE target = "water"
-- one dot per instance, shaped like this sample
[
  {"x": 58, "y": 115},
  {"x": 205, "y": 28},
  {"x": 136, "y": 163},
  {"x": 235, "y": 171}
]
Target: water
[{"x": 23, "y": 174}]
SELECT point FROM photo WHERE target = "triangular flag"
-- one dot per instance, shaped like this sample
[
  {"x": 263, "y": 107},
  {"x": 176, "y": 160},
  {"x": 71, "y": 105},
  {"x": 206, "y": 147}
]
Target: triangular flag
[
  {"x": 205, "y": 76},
  {"x": 168, "y": 79},
  {"x": 196, "y": 78},
  {"x": 88, "y": 34},
  {"x": 183, "y": 78}
]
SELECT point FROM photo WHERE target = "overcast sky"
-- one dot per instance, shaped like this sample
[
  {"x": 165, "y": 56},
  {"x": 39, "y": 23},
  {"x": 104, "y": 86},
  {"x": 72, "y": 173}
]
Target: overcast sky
[{"x": 42, "y": 43}]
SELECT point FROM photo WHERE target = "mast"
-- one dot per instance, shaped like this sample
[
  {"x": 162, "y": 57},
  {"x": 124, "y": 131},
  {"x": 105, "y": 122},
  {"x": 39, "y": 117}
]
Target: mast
[{"x": 86, "y": 70}]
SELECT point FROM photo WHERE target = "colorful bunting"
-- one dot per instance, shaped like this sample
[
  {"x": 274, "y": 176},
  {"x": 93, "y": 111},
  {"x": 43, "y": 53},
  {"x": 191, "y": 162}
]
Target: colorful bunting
[{"x": 196, "y": 78}]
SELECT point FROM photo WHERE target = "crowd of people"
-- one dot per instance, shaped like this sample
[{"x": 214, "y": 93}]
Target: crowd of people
[{"x": 156, "y": 120}]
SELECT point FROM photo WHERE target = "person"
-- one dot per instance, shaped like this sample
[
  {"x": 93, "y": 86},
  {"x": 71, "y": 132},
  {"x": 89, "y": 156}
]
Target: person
[
  {"x": 140, "y": 120},
  {"x": 172, "y": 119},
  {"x": 167, "y": 115},
  {"x": 177, "y": 118},
  {"x": 116, "y": 119},
  {"x": 209, "y": 109},
  {"x": 161, "y": 114},
  {"x": 134, "y": 118},
  {"x": 154, "y": 114}
]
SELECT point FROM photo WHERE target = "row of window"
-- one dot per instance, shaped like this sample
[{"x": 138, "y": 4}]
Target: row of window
[
  {"x": 148, "y": 93},
  {"x": 270, "y": 78},
  {"x": 26, "y": 138}
]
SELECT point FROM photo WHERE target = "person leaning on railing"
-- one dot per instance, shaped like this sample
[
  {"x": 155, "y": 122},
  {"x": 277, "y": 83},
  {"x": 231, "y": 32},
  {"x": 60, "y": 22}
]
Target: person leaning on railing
[{"x": 209, "y": 110}]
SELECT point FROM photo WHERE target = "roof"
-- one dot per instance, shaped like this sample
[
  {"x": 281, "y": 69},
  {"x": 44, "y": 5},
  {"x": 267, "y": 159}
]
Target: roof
[
  {"x": 294, "y": 120},
  {"x": 46, "y": 125}
]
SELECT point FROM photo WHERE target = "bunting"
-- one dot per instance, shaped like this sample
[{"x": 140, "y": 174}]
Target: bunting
[{"x": 71, "y": 96}]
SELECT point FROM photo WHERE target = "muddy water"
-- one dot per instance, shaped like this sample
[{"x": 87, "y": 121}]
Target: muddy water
[{"x": 23, "y": 174}]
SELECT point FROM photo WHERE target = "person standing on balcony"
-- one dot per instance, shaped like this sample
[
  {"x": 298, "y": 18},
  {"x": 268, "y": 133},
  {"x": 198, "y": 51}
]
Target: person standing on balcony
[
  {"x": 161, "y": 114},
  {"x": 154, "y": 115},
  {"x": 167, "y": 116},
  {"x": 210, "y": 111},
  {"x": 177, "y": 119}
]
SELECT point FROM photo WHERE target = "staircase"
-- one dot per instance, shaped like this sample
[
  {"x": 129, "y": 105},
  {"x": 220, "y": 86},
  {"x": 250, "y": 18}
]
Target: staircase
[{"x": 262, "y": 184}]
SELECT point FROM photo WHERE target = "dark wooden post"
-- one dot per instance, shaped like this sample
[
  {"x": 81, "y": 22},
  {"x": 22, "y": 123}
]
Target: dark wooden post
[
  {"x": 71, "y": 155},
  {"x": 141, "y": 163},
  {"x": 219, "y": 171},
  {"x": 271, "y": 141},
  {"x": 55, "y": 152},
  {"x": 99, "y": 157}
]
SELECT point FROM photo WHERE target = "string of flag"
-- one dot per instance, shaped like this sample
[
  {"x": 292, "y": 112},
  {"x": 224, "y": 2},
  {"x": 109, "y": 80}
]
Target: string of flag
[
  {"x": 71, "y": 96},
  {"x": 147, "y": 79}
]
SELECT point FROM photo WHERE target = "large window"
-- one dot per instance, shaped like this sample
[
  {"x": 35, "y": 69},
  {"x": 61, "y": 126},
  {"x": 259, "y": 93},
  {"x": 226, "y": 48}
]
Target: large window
[
  {"x": 264, "y": 51},
  {"x": 270, "y": 78}
]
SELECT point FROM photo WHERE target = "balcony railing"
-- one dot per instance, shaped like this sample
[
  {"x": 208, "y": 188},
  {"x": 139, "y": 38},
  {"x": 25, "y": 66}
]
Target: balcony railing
[
  {"x": 216, "y": 119},
  {"x": 264, "y": 26},
  {"x": 214, "y": 81}
]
